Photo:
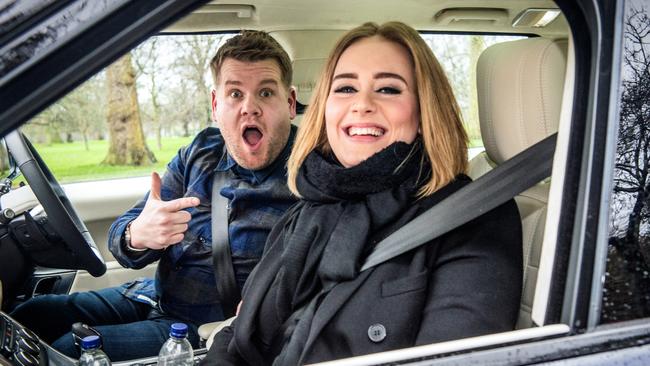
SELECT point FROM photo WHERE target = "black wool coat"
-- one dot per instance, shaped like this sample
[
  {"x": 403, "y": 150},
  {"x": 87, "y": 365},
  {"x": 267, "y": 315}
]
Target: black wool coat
[{"x": 465, "y": 283}]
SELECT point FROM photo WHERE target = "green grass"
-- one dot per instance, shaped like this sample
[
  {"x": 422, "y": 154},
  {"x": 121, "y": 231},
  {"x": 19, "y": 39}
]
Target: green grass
[{"x": 71, "y": 162}]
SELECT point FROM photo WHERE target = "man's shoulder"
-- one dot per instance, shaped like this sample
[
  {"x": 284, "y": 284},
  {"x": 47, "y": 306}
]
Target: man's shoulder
[
  {"x": 208, "y": 136},
  {"x": 208, "y": 139}
]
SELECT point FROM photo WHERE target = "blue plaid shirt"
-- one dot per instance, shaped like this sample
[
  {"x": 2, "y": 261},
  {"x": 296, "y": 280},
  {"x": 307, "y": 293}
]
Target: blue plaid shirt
[{"x": 185, "y": 285}]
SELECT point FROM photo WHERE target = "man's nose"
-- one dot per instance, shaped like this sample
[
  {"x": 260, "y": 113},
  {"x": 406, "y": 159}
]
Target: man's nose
[{"x": 251, "y": 106}]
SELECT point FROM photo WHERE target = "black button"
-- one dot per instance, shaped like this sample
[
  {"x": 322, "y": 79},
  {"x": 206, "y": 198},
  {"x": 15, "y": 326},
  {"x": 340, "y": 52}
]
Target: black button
[{"x": 377, "y": 333}]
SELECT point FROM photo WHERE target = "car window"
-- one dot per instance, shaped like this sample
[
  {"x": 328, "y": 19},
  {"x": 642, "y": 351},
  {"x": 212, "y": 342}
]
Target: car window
[
  {"x": 627, "y": 280},
  {"x": 132, "y": 117},
  {"x": 458, "y": 54},
  {"x": 170, "y": 104}
]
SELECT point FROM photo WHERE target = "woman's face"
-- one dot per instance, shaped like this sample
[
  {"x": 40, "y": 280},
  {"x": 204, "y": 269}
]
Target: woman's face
[{"x": 373, "y": 100}]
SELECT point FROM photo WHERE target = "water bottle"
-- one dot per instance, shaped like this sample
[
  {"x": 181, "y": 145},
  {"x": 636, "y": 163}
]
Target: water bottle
[
  {"x": 177, "y": 350},
  {"x": 91, "y": 352}
]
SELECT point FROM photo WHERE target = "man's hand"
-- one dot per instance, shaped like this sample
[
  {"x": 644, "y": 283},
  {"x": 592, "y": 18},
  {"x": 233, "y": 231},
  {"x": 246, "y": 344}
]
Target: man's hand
[{"x": 161, "y": 224}]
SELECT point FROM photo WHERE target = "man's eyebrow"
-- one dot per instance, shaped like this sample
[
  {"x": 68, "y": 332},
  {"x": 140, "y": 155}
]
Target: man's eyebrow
[
  {"x": 263, "y": 82},
  {"x": 390, "y": 75},
  {"x": 269, "y": 81}
]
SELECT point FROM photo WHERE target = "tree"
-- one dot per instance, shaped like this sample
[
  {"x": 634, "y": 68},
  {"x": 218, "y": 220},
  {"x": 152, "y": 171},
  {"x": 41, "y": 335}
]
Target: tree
[
  {"x": 127, "y": 145},
  {"x": 476, "y": 46},
  {"x": 458, "y": 55},
  {"x": 628, "y": 280},
  {"x": 145, "y": 58},
  {"x": 193, "y": 65},
  {"x": 80, "y": 114},
  {"x": 86, "y": 109}
]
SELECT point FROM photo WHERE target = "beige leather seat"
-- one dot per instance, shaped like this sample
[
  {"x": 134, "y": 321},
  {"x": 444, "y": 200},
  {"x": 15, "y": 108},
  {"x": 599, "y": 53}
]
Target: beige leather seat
[{"x": 519, "y": 87}]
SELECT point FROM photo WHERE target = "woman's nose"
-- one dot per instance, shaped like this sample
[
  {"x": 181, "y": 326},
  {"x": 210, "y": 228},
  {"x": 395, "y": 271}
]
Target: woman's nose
[{"x": 363, "y": 103}]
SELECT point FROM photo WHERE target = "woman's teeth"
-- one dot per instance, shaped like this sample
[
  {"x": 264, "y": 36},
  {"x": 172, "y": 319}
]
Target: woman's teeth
[{"x": 365, "y": 131}]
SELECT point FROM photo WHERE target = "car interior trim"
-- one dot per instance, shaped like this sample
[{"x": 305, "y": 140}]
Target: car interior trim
[
  {"x": 611, "y": 134},
  {"x": 465, "y": 344},
  {"x": 547, "y": 261}
]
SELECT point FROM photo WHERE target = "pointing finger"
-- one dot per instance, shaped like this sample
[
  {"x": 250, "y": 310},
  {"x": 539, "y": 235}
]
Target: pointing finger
[{"x": 181, "y": 203}]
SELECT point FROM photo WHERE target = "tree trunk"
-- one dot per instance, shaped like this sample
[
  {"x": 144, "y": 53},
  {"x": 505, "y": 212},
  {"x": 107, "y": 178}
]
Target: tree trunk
[
  {"x": 472, "y": 121},
  {"x": 634, "y": 223},
  {"x": 54, "y": 137},
  {"x": 186, "y": 128},
  {"x": 156, "y": 111},
  {"x": 127, "y": 145},
  {"x": 84, "y": 135}
]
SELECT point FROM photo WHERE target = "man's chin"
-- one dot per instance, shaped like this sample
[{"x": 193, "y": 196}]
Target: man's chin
[{"x": 253, "y": 162}]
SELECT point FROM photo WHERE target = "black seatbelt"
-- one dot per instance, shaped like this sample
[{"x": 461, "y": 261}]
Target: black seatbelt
[
  {"x": 221, "y": 255},
  {"x": 484, "y": 194}
]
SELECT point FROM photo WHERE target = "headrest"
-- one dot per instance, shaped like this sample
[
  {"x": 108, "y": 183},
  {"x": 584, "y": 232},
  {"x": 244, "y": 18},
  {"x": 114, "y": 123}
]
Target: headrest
[
  {"x": 305, "y": 74},
  {"x": 519, "y": 87}
]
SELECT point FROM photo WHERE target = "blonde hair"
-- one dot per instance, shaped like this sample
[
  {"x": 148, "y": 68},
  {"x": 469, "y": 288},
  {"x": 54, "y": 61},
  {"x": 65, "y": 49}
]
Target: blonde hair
[{"x": 443, "y": 135}]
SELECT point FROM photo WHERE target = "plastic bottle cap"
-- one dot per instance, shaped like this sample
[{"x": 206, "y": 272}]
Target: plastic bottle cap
[
  {"x": 178, "y": 330},
  {"x": 91, "y": 341}
]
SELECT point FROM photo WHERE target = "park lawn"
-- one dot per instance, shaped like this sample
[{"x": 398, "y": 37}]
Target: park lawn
[{"x": 71, "y": 162}]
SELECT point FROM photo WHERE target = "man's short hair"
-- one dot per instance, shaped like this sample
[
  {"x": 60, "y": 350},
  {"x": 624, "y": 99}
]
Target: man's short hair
[{"x": 252, "y": 46}]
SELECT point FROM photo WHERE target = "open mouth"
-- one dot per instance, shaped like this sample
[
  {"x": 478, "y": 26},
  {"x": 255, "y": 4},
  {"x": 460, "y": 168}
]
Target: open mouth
[
  {"x": 252, "y": 136},
  {"x": 365, "y": 131}
]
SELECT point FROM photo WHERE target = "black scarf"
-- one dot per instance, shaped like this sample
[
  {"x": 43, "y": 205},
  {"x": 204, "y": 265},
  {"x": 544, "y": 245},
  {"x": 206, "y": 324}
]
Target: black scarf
[{"x": 328, "y": 236}]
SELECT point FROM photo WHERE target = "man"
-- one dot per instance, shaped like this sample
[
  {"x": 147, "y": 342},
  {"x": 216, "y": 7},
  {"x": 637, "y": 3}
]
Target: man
[{"x": 252, "y": 104}]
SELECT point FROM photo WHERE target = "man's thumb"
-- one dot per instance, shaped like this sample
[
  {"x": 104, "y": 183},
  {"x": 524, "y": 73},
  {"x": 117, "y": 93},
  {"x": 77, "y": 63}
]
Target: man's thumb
[{"x": 155, "y": 187}]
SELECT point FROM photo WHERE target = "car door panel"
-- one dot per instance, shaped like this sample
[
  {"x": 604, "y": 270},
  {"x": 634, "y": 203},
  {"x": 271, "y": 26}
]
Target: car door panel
[{"x": 99, "y": 203}]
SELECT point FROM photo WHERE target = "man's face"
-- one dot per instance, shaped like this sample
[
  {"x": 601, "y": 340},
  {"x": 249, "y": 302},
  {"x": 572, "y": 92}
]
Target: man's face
[{"x": 253, "y": 110}]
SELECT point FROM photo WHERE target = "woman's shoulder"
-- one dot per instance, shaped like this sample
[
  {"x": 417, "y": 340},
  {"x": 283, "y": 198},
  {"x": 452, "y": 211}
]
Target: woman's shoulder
[
  {"x": 436, "y": 197},
  {"x": 504, "y": 213}
]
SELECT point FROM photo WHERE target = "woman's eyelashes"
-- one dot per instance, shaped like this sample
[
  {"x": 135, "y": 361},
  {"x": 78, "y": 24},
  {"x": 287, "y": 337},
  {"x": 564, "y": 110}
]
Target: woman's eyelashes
[
  {"x": 389, "y": 90},
  {"x": 345, "y": 89},
  {"x": 382, "y": 90}
]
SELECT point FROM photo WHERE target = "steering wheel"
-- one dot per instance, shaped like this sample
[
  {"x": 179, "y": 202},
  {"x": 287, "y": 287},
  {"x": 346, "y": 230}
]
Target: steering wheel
[{"x": 79, "y": 251}]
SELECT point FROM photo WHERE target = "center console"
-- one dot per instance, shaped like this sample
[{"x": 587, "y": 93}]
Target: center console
[{"x": 20, "y": 346}]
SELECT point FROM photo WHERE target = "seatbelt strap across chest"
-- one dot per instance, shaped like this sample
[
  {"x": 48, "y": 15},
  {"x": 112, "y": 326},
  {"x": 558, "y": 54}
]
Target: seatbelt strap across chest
[
  {"x": 484, "y": 194},
  {"x": 221, "y": 254}
]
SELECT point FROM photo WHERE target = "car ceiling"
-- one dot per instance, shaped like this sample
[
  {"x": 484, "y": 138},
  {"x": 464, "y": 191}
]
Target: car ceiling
[{"x": 424, "y": 15}]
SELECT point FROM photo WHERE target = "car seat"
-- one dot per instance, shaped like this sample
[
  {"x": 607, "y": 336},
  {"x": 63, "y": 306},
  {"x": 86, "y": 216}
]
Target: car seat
[{"x": 519, "y": 88}]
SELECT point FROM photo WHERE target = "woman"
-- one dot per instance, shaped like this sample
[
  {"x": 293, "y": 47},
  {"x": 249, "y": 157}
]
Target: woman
[{"x": 382, "y": 142}]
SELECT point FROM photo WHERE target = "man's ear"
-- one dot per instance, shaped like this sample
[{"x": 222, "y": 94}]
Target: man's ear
[
  {"x": 213, "y": 104},
  {"x": 292, "y": 102}
]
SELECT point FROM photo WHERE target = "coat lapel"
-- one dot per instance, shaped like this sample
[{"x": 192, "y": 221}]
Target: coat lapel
[
  {"x": 330, "y": 305},
  {"x": 252, "y": 300}
]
